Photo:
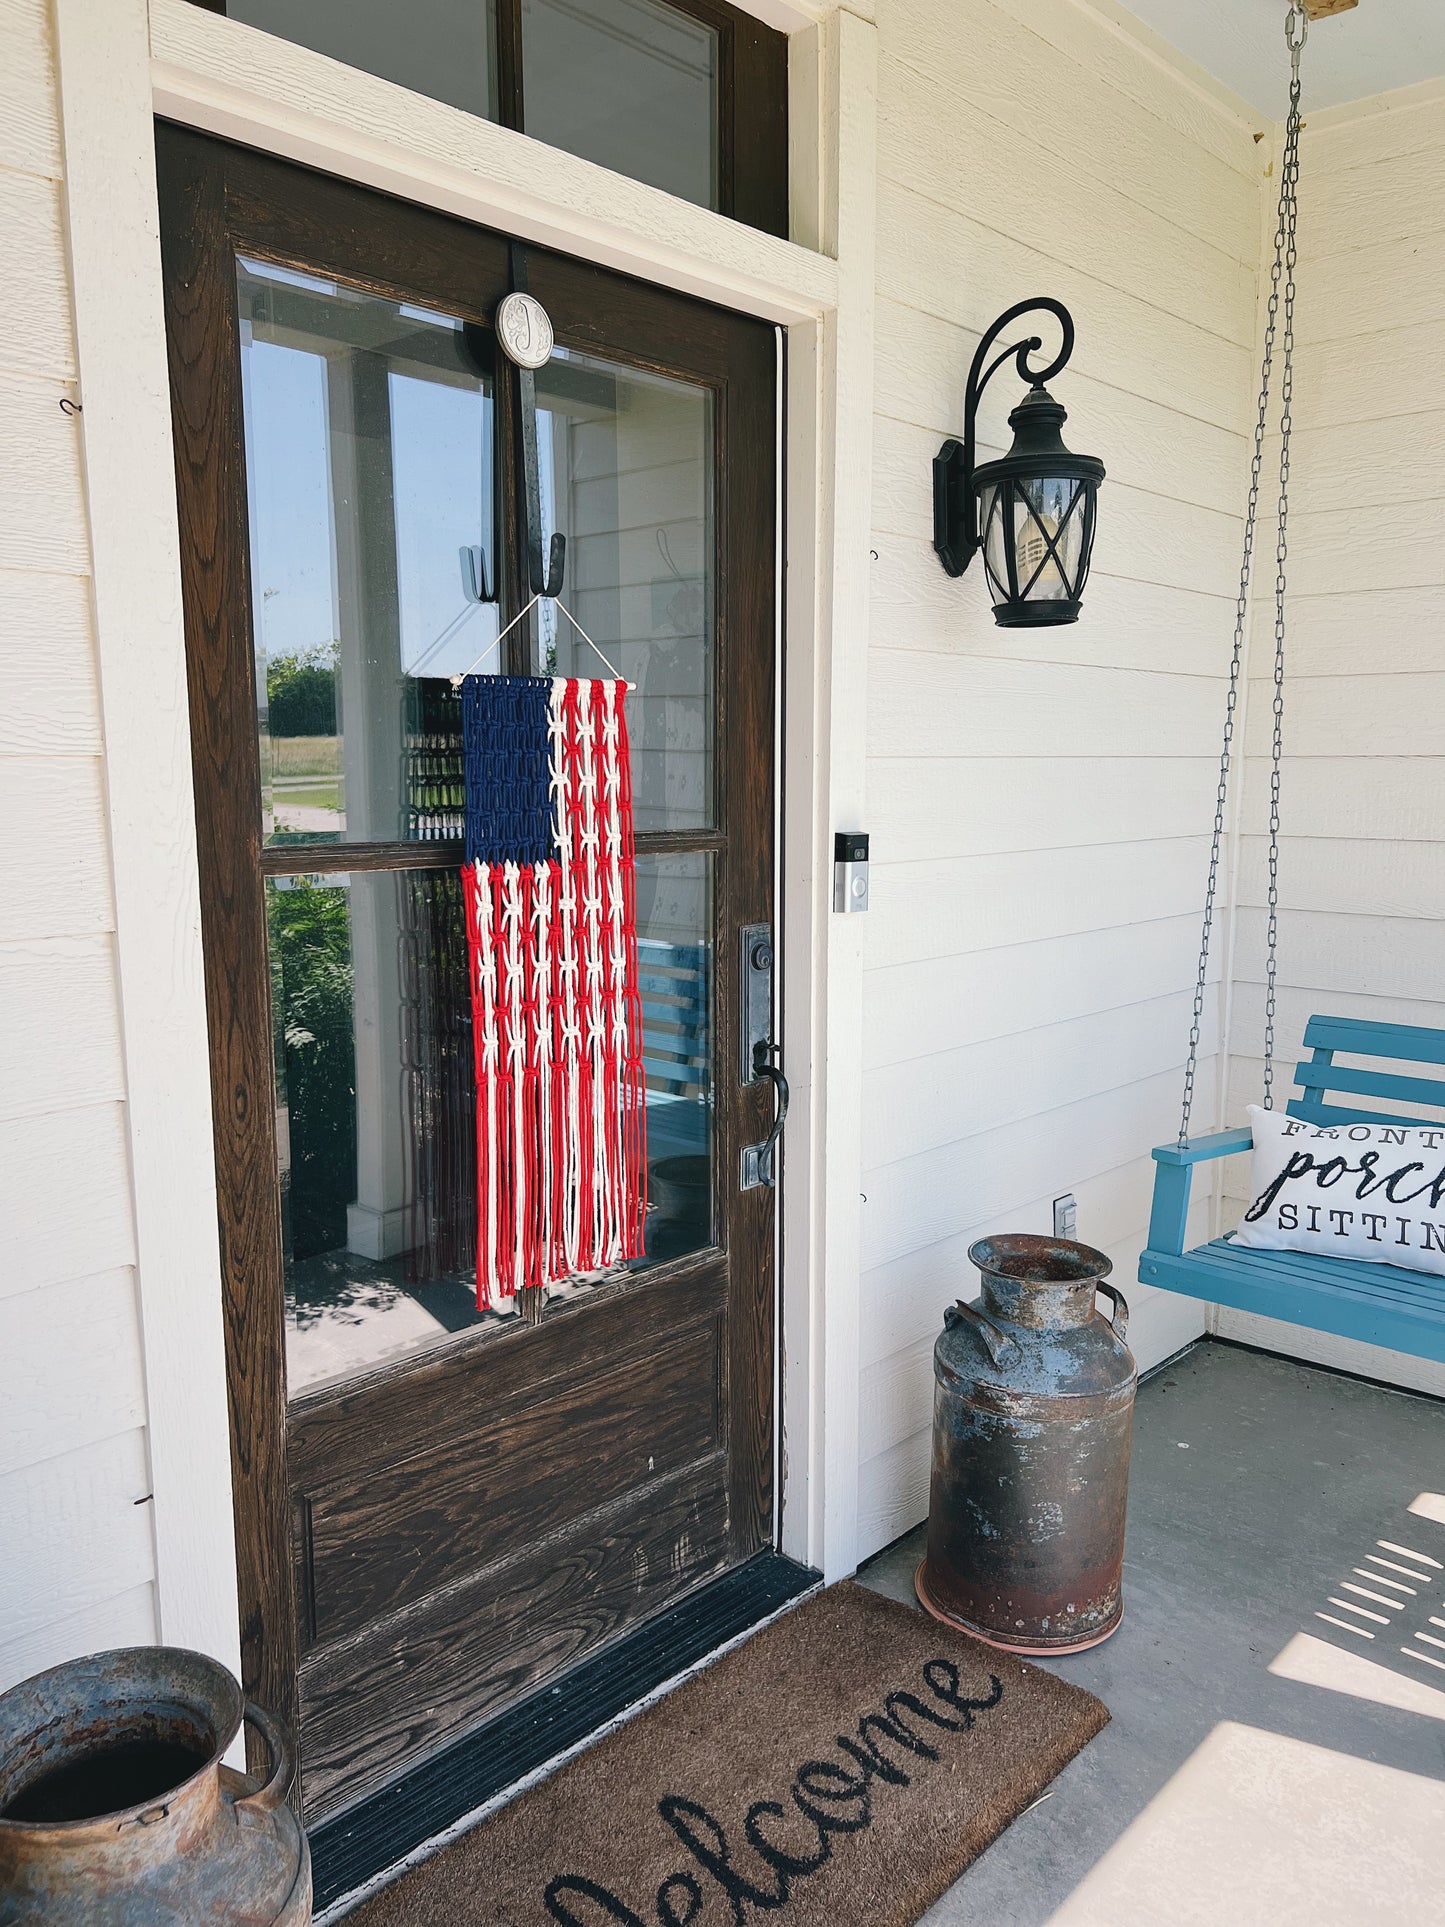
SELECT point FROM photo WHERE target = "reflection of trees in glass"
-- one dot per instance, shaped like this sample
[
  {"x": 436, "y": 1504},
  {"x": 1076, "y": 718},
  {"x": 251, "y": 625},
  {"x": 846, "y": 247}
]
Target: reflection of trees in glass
[
  {"x": 301, "y": 692},
  {"x": 310, "y": 932}
]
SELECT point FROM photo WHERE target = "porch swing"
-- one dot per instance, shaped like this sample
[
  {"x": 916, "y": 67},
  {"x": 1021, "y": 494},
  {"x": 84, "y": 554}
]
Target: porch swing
[{"x": 1378, "y": 1303}]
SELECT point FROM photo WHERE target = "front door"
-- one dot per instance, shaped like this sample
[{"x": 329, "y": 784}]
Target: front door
[{"x": 438, "y": 1508}]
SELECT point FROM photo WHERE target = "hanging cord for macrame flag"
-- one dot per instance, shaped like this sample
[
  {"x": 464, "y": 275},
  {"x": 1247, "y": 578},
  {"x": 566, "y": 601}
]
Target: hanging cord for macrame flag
[
  {"x": 1282, "y": 283},
  {"x": 521, "y": 616}
]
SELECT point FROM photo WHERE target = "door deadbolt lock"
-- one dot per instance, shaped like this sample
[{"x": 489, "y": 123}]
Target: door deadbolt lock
[{"x": 757, "y": 1008}]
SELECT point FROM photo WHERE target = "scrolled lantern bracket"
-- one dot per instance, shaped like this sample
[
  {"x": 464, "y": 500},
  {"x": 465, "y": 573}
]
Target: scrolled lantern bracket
[{"x": 1037, "y": 572}]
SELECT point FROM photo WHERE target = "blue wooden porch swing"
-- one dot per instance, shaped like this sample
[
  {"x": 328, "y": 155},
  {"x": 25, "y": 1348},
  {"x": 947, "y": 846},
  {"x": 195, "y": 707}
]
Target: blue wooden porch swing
[{"x": 1380, "y": 1304}]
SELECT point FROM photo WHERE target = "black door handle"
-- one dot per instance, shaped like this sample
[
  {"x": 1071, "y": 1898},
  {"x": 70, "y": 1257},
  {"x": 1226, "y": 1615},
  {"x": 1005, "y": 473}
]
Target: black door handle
[{"x": 758, "y": 1158}]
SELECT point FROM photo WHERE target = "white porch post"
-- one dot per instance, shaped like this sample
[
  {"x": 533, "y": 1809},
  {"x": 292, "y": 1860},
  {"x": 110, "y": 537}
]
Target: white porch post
[{"x": 110, "y": 189}]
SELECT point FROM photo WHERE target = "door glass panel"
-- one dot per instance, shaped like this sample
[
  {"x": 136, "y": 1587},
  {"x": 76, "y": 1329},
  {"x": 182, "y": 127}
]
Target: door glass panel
[
  {"x": 626, "y": 463},
  {"x": 376, "y": 1102},
  {"x": 375, "y": 1113},
  {"x": 444, "y": 48},
  {"x": 630, "y": 84},
  {"x": 370, "y": 477}
]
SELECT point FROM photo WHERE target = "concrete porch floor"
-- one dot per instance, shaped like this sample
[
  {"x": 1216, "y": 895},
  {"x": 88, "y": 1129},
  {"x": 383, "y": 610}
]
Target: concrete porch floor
[{"x": 1264, "y": 1765}]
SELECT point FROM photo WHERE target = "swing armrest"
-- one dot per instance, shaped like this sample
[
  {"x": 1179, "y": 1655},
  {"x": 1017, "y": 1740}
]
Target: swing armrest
[
  {"x": 1220, "y": 1144},
  {"x": 1172, "y": 1181}
]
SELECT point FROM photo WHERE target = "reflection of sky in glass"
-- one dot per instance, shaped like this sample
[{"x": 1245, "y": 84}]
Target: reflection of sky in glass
[
  {"x": 441, "y": 456},
  {"x": 290, "y": 476},
  {"x": 441, "y": 435}
]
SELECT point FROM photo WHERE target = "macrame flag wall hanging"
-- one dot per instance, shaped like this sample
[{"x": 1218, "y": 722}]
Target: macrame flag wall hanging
[{"x": 552, "y": 948}]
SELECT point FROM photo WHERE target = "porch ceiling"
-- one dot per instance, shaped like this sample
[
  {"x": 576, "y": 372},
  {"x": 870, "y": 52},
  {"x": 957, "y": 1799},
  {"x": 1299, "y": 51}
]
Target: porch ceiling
[{"x": 1380, "y": 45}]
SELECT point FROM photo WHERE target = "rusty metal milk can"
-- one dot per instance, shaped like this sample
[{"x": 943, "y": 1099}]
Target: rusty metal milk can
[
  {"x": 116, "y": 1809},
  {"x": 1033, "y": 1408}
]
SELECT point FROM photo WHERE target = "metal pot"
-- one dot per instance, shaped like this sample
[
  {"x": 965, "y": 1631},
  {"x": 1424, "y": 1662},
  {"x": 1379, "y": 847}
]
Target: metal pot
[
  {"x": 1033, "y": 1411},
  {"x": 116, "y": 1810}
]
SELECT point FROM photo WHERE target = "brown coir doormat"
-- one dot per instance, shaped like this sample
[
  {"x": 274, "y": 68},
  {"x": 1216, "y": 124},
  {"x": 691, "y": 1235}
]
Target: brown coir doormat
[{"x": 839, "y": 1769}]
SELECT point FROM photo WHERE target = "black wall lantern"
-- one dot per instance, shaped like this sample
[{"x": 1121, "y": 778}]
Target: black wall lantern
[{"x": 1033, "y": 512}]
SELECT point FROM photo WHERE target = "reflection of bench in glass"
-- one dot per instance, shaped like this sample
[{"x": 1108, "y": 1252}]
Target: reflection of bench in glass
[{"x": 676, "y": 1045}]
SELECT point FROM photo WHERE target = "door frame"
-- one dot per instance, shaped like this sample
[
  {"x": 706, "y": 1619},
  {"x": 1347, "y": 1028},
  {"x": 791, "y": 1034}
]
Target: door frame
[{"x": 118, "y": 70}]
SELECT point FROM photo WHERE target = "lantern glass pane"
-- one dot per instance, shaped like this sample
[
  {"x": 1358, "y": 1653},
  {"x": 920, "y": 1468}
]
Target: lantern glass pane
[
  {"x": 993, "y": 521},
  {"x": 1048, "y": 538}
]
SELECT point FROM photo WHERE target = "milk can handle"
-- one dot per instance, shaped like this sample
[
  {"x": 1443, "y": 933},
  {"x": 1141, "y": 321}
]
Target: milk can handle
[
  {"x": 272, "y": 1793},
  {"x": 1120, "y": 1319},
  {"x": 997, "y": 1343}
]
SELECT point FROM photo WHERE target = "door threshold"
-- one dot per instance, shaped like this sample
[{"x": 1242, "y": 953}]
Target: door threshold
[{"x": 381, "y": 1831}]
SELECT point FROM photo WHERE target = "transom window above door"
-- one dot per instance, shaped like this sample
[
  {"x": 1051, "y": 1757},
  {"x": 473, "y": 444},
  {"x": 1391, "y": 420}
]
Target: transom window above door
[{"x": 687, "y": 95}]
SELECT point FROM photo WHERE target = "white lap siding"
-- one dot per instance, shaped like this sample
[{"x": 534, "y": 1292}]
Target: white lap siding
[
  {"x": 1041, "y": 799},
  {"x": 76, "y": 1558},
  {"x": 1362, "y": 862}
]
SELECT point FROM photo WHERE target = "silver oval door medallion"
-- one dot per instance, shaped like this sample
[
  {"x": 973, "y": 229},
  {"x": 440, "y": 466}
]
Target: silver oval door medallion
[{"x": 525, "y": 331}]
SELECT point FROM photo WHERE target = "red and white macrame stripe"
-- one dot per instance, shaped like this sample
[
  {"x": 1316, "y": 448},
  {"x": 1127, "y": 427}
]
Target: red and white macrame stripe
[{"x": 557, "y": 1021}]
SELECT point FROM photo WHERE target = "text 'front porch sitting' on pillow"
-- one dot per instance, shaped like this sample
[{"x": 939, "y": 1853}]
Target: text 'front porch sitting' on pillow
[{"x": 1363, "y": 1191}]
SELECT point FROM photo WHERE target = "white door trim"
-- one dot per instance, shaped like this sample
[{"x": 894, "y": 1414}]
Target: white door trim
[
  {"x": 125, "y": 61},
  {"x": 228, "y": 79}
]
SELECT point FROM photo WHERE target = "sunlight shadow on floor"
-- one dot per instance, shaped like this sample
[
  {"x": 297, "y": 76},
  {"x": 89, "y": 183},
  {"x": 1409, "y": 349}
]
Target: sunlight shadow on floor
[
  {"x": 1257, "y": 1828},
  {"x": 1315, "y": 1662},
  {"x": 1403, "y": 1585}
]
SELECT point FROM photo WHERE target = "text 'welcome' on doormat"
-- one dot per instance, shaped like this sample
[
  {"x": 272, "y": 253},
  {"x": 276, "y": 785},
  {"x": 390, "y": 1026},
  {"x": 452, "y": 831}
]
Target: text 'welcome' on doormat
[{"x": 842, "y": 1766}]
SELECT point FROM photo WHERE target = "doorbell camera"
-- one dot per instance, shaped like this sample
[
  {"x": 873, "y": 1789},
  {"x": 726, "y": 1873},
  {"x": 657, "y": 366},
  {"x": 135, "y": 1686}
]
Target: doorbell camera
[{"x": 850, "y": 871}]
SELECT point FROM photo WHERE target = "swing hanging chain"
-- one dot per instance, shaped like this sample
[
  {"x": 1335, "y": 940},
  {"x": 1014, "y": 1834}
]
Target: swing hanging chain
[
  {"x": 1289, "y": 183},
  {"x": 1282, "y": 282}
]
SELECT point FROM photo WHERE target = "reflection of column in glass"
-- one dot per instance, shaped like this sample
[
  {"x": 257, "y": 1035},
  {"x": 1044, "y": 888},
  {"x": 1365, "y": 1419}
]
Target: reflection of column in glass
[
  {"x": 378, "y": 1220},
  {"x": 369, "y": 724}
]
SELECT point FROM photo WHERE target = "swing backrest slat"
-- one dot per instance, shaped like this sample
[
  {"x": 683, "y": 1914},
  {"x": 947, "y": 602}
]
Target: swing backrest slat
[
  {"x": 1365, "y": 1039},
  {"x": 1319, "y": 1076}
]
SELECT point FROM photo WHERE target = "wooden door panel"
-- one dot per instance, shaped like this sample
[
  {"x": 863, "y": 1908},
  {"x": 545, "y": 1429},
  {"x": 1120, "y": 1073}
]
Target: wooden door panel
[
  {"x": 382, "y": 1542},
  {"x": 439, "y": 1399},
  {"x": 373, "y": 1703}
]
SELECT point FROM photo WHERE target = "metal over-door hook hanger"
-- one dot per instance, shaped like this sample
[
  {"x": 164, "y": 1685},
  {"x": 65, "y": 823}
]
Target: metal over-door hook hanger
[{"x": 524, "y": 330}]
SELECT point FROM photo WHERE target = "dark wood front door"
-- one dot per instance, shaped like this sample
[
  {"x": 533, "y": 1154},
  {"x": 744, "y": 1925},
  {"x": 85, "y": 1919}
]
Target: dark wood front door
[{"x": 438, "y": 1508}]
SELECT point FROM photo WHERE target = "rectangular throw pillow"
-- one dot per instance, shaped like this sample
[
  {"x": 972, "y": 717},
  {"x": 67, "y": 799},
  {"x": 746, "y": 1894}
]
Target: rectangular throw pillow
[{"x": 1372, "y": 1191}]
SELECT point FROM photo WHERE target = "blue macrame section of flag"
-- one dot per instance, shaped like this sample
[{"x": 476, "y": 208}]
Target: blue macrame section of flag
[{"x": 506, "y": 737}]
